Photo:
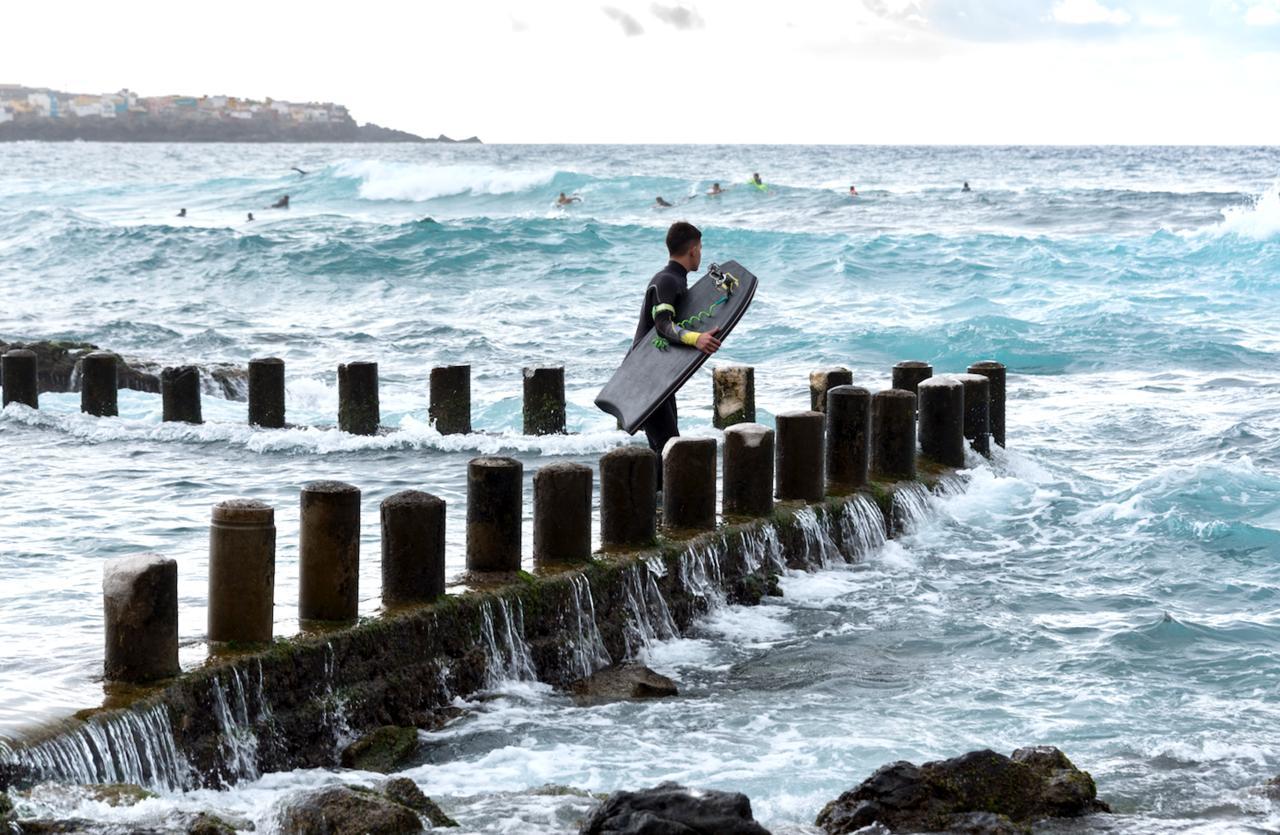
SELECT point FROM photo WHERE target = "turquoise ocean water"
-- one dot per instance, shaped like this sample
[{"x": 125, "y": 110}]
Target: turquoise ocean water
[{"x": 1109, "y": 585}]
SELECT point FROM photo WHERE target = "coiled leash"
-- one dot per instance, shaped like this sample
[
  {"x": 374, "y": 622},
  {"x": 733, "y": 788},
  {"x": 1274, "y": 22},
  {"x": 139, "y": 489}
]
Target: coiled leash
[{"x": 725, "y": 282}]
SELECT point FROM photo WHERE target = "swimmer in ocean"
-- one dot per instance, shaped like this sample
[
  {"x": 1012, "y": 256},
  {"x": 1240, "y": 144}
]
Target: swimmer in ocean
[
  {"x": 756, "y": 181},
  {"x": 182, "y": 212},
  {"x": 661, "y": 204},
  {"x": 282, "y": 203},
  {"x": 966, "y": 186},
  {"x": 853, "y": 191},
  {"x": 565, "y": 200},
  {"x": 250, "y": 218},
  {"x": 715, "y": 189}
]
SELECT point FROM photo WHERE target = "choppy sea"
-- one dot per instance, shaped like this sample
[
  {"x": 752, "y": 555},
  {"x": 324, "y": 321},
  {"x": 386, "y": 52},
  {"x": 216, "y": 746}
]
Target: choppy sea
[{"x": 1109, "y": 585}]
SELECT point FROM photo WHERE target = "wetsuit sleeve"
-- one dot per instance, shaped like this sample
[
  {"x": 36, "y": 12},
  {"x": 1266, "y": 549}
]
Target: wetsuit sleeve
[{"x": 664, "y": 310}]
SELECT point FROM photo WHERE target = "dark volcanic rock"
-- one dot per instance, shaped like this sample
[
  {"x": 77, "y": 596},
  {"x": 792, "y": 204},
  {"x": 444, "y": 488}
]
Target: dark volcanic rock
[
  {"x": 56, "y": 363},
  {"x": 382, "y": 749},
  {"x": 341, "y": 810},
  {"x": 207, "y": 824},
  {"x": 625, "y": 681},
  {"x": 939, "y": 796},
  {"x": 406, "y": 792},
  {"x": 669, "y": 809}
]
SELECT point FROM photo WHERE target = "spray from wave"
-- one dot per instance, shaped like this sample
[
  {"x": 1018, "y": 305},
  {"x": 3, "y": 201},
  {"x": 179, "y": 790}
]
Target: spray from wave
[
  {"x": 417, "y": 182},
  {"x": 1258, "y": 220}
]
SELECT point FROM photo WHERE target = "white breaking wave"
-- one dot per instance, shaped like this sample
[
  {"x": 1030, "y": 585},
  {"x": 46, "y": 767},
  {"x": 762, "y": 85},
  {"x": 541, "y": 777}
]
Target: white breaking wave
[
  {"x": 420, "y": 181},
  {"x": 1259, "y": 220}
]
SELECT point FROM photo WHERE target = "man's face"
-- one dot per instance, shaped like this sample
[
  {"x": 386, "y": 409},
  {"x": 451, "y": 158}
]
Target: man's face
[{"x": 695, "y": 256}]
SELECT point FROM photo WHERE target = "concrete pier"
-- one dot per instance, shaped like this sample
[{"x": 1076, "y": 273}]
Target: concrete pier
[
  {"x": 413, "y": 550},
  {"x": 358, "y": 411},
  {"x": 689, "y": 484},
  {"x": 893, "y": 435},
  {"x": 180, "y": 394},
  {"x": 495, "y": 492},
  {"x": 628, "y": 497},
  {"x": 733, "y": 395},
  {"x": 941, "y": 427},
  {"x": 996, "y": 373},
  {"x": 242, "y": 571},
  {"x": 266, "y": 392},
  {"x": 977, "y": 411},
  {"x": 18, "y": 368},
  {"x": 140, "y": 613},
  {"x": 450, "y": 407},
  {"x": 329, "y": 552},
  {"x": 544, "y": 401},
  {"x": 823, "y": 380},
  {"x": 848, "y": 437},
  {"x": 910, "y": 373},
  {"x": 747, "y": 470},
  {"x": 800, "y": 456},
  {"x": 98, "y": 384},
  {"x": 562, "y": 513}
]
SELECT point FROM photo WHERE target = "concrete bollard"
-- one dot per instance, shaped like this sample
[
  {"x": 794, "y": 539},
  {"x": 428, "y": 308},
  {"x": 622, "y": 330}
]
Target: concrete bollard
[
  {"x": 495, "y": 493},
  {"x": 242, "y": 571},
  {"x": 893, "y": 435},
  {"x": 733, "y": 395},
  {"x": 628, "y": 497},
  {"x": 18, "y": 371},
  {"x": 977, "y": 411},
  {"x": 412, "y": 547},
  {"x": 941, "y": 428},
  {"x": 748, "y": 470},
  {"x": 910, "y": 373},
  {"x": 996, "y": 373},
  {"x": 800, "y": 456},
  {"x": 562, "y": 513},
  {"x": 180, "y": 394},
  {"x": 140, "y": 611},
  {"x": 544, "y": 401},
  {"x": 329, "y": 552},
  {"x": 848, "y": 437},
  {"x": 266, "y": 392},
  {"x": 823, "y": 380},
  {"x": 358, "y": 411},
  {"x": 450, "y": 407},
  {"x": 689, "y": 484},
  {"x": 98, "y": 384}
]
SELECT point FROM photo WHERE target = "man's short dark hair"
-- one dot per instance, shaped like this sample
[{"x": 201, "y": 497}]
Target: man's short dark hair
[{"x": 680, "y": 237}]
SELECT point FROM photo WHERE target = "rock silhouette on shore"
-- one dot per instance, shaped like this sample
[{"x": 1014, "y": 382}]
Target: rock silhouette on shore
[{"x": 671, "y": 809}]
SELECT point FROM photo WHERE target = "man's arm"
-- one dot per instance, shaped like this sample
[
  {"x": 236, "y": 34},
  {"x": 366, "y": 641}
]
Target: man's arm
[{"x": 663, "y": 314}]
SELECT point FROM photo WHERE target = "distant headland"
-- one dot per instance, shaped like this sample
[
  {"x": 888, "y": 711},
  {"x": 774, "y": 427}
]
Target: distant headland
[{"x": 38, "y": 113}]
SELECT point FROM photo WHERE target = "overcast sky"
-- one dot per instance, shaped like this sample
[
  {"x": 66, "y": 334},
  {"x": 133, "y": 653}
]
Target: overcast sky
[{"x": 843, "y": 71}]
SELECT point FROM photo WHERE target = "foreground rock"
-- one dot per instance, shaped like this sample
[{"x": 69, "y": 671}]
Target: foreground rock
[
  {"x": 669, "y": 809},
  {"x": 406, "y": 792},
  {"x": 625, "y": 681},
  {"x": 382, "y": 749},
  {"x": 981, "y": 791},
  {"x": 343, "y": 810}
]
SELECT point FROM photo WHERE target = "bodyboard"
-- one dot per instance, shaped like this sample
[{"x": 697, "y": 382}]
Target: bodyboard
[{"x": 650, "y": 374}]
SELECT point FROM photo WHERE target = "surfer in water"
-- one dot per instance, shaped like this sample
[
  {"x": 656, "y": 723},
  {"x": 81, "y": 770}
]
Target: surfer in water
[
  {"x": 282, "y": 203},
  {"x": 966, "y": 186},
  {"x": 756, "y": 181},
  {"x": 853, "y": 191},
  {"x": 662, "y": 204},
  {"x": 565, "y": 200},
  {"x": 182, "y": 212},
  {"x": 684, "y": 247},
  {"x": 715, "y": 189}
]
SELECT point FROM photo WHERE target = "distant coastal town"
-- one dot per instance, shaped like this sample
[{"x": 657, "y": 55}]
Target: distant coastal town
[{"x": 38, "y": 113}]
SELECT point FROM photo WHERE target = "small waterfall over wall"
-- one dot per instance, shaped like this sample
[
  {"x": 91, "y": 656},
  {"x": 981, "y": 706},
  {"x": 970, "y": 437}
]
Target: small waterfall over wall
[
  {"x": 506, "y": 650},
  {"x": 820, "y": 546},
  {"x": 648, "y": 618},
  {"x": 862, "y": 528},
  {"x": 910, "y": 505},
  {"x": 587, "y": 650}
]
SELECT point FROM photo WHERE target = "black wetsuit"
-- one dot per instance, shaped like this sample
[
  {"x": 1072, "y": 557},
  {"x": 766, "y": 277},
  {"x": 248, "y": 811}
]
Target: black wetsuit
[{"x": 670, "y": 283}]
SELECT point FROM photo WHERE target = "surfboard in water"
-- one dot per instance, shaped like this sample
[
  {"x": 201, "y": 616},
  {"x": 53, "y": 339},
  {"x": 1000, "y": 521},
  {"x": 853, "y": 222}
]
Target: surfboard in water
[{"x": 650, "y": 373}]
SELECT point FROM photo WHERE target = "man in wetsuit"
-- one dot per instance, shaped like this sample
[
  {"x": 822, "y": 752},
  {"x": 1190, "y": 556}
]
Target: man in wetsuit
[{"x": 684, "y": 246}]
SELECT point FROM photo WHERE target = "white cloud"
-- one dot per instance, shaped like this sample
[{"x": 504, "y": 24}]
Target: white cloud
[
  {"x": 1264, "y": 13},
  {"x": 1160, "y": 21},
  {"x": 1082, "y": 12}
]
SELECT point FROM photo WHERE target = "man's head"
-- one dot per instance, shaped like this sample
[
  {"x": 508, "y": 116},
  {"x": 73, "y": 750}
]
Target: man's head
[{"x": 684, "y": 244}]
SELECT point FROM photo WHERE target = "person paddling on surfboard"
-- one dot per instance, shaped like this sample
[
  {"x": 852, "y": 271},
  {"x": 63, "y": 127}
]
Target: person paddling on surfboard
[{"x": 684, "y": 246}]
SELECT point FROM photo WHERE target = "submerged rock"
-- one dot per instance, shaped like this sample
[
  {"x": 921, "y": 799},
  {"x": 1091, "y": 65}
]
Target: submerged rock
[
  {"x": 382, "y": 749},
  {"x": 622, "y": 682},
  {"x": 671, "y": 809},
  {"x": 209, "y": 824},
  {"x": 981, "y": 791},
  {"x": 119, "y": 794},
  {"x": 343, "y": 810},
  {"x": 406, "y": 792}
]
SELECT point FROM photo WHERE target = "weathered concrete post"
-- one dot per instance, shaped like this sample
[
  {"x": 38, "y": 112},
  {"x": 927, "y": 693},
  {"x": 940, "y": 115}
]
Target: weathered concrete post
[
  {"x": 628, "y": 497},
  {"x": 266, "y": 392},
  {"x": 140, "y": 611},
  {"x": 748, "y": 470},
  {"x": 942, "y": 420},
  {"x": 450, "y": 407},
  {"x": 18, "y": 368},
  {"x": 562, "y": 513},
  {"x": 98, "y": 384},
  {"x": 329, "y": 552},
  {"x": 996, "y": 373},
  {"x": 358, "y": 411},
  {"x": 544, "y": 401},
  {"x": 412, "y": 547},
  {"x": 733, "y": 395},
  {"x": 909, "y": 373},
  {"x": 977, "y": 411},
  {"x": 848, "y": 437},
  {"x": 180, "y": 394},
  {"x": 821, "y": 381},
  {"x": 495, "y": 489},
  {"x": 242, "y": 571},
  {"x": 893, "y": 435},
  {"x": 800, "y": 456},
  {"x": 689, "y": 484}
]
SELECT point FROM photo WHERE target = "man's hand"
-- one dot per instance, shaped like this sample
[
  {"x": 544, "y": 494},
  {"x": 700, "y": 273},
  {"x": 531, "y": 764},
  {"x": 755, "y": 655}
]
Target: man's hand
[{"x": 707, "y": 342}]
